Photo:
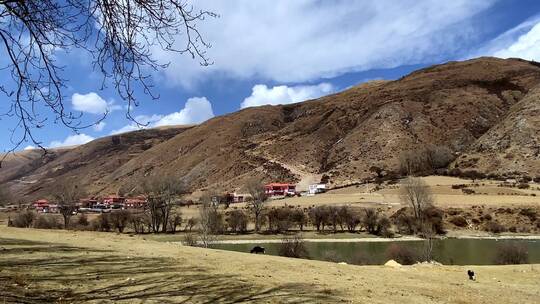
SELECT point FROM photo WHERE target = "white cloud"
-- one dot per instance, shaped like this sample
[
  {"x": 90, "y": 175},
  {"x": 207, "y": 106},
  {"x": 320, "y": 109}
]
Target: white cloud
[
  {"x": 298, "y": 41},
  {"x": 29, "y": 147},
  {"x": 522, "y": 41},
  {"x": 72, "y": 140},
  {"x": 99, "y": 126},
  {"x": 92, "y": 103},
  {"x": 527, "y": 46},
  {"x": 195, "y": 111},
  {"x": 262, "y": 95}
]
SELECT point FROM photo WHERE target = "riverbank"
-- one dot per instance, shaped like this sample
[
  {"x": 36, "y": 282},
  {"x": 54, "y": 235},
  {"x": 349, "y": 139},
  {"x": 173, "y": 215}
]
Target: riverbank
[{"x": 44, "y": 266}]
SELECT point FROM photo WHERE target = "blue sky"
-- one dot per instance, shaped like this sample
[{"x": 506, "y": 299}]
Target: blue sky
[{"x": 272, "y": 52}]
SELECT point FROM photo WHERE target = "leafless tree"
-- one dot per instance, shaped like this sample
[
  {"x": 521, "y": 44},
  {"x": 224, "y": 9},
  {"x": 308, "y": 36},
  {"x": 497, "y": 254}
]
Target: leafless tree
[
  {"x": 319, "y": 216},
  {"x": 118, "y": 35},
  {"x": 207, "y": 231},
  {"x": 191, "y": 222},
  {"x": 67, "y": 196},
  {"x": 238, "y": 221},
  {"x": 175, "y": 220},
  {"x": 213, "y": 219},
  {"x": 120, "y": 219},
  {"x": 416, "y": 194},
  {"x": 162, "y": 193},
  {"x": 256, "y": 203},
  {"x": 138, "y": 221}
]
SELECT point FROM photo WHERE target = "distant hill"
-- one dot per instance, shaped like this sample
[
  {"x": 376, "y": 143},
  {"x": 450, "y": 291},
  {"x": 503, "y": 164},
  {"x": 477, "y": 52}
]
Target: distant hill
[{"x": 485, "y": 111}]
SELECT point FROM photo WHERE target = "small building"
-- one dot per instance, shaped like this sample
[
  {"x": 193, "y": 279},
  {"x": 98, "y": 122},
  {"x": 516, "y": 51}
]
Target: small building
[
  {"x": 135, "y": 202},
  {"x": 279, "y": 189},
  {"x": 316, "y": 189},
  {"x": 113, "y": 201},
  {"x": 87, "y": 203},
  {"x": 41, "y": 205},
  {"x": 239, "y": 198}
]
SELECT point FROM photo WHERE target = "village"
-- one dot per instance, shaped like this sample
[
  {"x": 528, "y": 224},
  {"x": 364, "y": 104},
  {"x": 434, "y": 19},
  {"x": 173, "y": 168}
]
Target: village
[{"x": 112, "y": 202}]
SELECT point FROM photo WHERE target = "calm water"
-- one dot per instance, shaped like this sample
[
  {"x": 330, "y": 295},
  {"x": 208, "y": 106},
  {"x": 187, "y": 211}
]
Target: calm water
[{"x": 447, "y": 251}]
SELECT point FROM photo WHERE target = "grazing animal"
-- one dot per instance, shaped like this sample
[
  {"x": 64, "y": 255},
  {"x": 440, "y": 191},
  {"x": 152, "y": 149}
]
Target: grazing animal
[
  {"x": 257, "y": 250},
  {"x": 471, "y": 275}
]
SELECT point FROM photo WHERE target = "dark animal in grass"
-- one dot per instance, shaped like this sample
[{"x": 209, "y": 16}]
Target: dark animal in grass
[
  {"x": 257, "y": 250},
  {"x": 471, "y": 275}
]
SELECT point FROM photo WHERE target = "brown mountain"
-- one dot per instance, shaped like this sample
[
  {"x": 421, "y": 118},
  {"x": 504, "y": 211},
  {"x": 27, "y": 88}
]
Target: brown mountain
[{"x": 484, "y": 109}]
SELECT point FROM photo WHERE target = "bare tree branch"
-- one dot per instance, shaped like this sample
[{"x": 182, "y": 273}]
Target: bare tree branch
[{"x": 119, "y": 36}]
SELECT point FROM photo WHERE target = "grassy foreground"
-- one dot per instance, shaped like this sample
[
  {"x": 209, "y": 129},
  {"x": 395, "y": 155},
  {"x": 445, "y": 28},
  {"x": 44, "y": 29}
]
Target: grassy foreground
[{"x": 38, "y": 266}]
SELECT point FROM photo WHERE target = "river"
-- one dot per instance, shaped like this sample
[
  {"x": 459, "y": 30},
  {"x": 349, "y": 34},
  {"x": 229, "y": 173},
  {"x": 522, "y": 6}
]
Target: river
[{"x": 450, "y": 251}]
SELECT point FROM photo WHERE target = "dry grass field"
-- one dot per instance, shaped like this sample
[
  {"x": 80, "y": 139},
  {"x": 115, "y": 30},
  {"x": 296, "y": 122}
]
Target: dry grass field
[{"x": 39, "y": 266}]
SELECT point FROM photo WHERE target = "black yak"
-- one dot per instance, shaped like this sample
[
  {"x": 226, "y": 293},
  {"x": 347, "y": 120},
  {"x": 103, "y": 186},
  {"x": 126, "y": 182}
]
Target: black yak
[
  {"x": 257, "y": 250},
  {"x": 471, "y": 275}
]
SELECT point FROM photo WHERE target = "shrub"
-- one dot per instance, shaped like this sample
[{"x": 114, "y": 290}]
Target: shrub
[
  {"x": 434, "y": 216},
  {"x": 402, "y": 254},
  {"x": 454, "y": 211},
  {"x": 383, "y": 227},
  {"x": 102, "y": 223},
  {"x": 523, "y": 186},
  {"x": 370, "y": 220},
  {"x": 299, "y": 218},
  {"x": 318, "y": 216},
  {"x": 47, "y": 221},
  {"x": 190, "y": 239},
  {"x": 279, "y": 219},
  {"x": 293, "y": 247},
  {"x": 119, "y": 219},
  {"x": 405, "y": 222},
  {"x": 82, "y": 220},
  {"x": 495, "y": 227},
  {"x": 459, "y": 221},
  {"x": 138, "y": 222},
  {"x": 237, "y": 221},
  {"x": 511, "y": 253},
  {"x": 486, "y": 217},
  {"x": 23, "y": 219},
  {"x": 530, "y": 213},
  {"x": 467, "y": 191},
  {"x": 191, "y": 222}
]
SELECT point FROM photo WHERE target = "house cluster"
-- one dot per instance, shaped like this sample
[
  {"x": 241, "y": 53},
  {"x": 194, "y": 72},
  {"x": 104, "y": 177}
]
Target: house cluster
[
  {"x": 103, "y": 204},
  {"x": 288, "y": 189}
]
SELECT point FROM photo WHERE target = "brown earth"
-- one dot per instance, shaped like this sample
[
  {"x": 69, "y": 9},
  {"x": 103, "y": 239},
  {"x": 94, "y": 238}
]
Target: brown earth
[
  {"x": 39, "y": 266},
  {"x": 484, "y": 110}
]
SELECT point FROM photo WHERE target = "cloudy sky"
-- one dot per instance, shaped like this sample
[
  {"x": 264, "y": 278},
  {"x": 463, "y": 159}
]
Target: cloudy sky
[{"x": 276, "y": 52}]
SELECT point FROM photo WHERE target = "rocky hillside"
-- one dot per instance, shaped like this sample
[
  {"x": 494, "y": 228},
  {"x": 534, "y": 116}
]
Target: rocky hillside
[
  {"x": 483, "y": 110},
  {"x": 513, "y": 145}
]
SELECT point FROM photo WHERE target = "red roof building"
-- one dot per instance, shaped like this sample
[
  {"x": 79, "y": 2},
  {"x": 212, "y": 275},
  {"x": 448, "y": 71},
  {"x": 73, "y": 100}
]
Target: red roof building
[
  {"x": 45, "y": 206},
  {"x": 279, "y": 189},
  {"x": 113, "y": 200},
  {"x": 135, "y": 202}
]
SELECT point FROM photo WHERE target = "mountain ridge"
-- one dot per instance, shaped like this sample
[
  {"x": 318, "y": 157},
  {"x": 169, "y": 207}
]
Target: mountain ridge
[{"x": 337, "y": 137}]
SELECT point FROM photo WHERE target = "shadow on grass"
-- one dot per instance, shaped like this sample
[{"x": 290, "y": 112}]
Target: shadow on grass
[{"x": 61, "y": 274}]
